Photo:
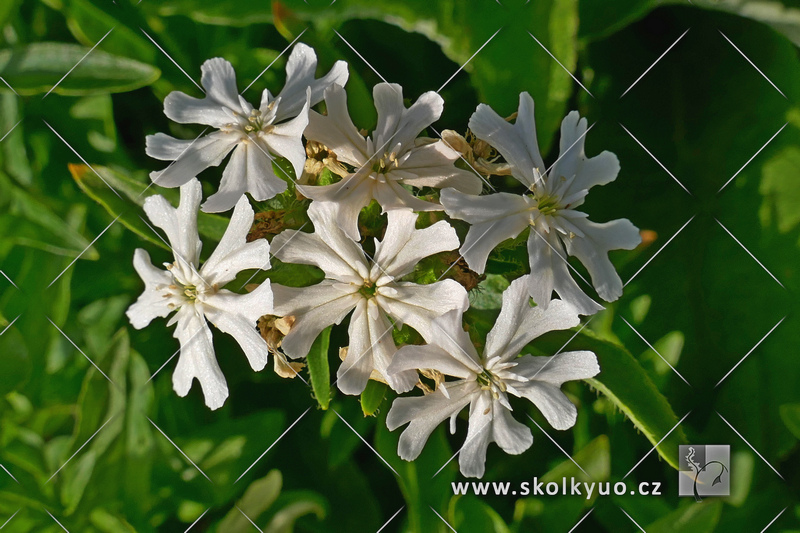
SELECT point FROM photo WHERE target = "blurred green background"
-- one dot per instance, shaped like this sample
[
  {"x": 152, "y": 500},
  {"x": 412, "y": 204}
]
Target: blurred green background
[{"x": 703, "y": 111}]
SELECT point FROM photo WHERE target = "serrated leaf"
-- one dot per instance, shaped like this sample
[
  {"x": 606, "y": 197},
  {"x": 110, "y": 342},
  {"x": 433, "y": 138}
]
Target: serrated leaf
[
  {"x": 319, "y": 369},
  {"x": 38, "y": 67},
  {"x": 373, "y": 396},
  {"x": 623, "y": 380}
]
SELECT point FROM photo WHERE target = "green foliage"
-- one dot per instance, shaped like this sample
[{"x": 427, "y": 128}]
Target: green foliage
[{"x": 318, "y": 369}]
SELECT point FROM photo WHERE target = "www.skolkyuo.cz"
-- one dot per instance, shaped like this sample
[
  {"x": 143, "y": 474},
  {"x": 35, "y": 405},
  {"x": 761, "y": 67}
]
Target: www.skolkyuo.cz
[{"x": 567, "y": 487}]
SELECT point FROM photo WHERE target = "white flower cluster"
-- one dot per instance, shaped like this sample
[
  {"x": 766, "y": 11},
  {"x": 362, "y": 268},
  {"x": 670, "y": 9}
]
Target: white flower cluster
[{"x": 387, "y": 166}]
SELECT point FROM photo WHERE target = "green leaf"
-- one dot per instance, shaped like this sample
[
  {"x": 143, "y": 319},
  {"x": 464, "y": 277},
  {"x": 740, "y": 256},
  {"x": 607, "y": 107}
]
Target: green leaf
[
  {"x": 293, "y": 506},
  {"x": 781, "y": 190},
  {"x": 38, "y": 67},
  {"x": 372, "y": 397},
  {"x": 258, "y": 497},
  {"x": 599, "y": 19},
  {"x": 318, "y": 368},
  {"x": 7, "y": 10},
  {"x": 15, "y": 364},
  {"x": 790, "y": 413},
  {"x": 628, "y": 386},
  {"x": 690, "y": 518},
  {"x": 469, "y": 514},
  {"x": 98, "y": 183},
  {"x": 75, "y": 479}
]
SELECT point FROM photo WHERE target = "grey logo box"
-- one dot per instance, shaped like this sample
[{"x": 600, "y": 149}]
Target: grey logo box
[{"x": 704, "y": 470}]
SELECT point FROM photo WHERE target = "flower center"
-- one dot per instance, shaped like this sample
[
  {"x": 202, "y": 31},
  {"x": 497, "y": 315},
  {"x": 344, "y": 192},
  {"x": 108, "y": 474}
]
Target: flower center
[
  {"x": 490, "y": 382},
  {"x": 385, "y": 164},
  {"x": 547, "y": 204},
  {"x": 368, "y": 290},
  {"x": 190, "y": 291}
]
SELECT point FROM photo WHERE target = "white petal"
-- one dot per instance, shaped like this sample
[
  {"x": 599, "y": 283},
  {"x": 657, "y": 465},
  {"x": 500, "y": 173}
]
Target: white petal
[
  {"x": 233, "y": 253},
  {"x": 151, "y": 303},
  {"x": 572, "y": 161},
  {"x": 219, "y": 81},
  {"x": 550, "y": 264},
  {"x": 339, "y": 256},
  {"x": 554, "y": 404},
  {"x": 512, "y": 436},
  {"x": 430, "y": 356},
  {"x": 237, "y": 315},
  {"x": 197, "y": 359},
  {"x": 347, "y": 197},
  {"x": 300, "y": 74},
  {"x": 431, "y": 165},
  {"x": 179, "y": 224},
  {"x": 425, "y": 413},
  {"x": 493, "y": 218},
  {"x": 517, "y": 143},
  {"x": 447, "y": 332},
  {"x": 392, "y": 195},
  {"x": 519, "y": 323},
  {"x": 403, "y": 246},
  {"x": 472, "y": 456},
  {"x": 417, "y": 305},
  {"x": 196, "y": 156},
  {"x": 315, "y": 308},
  {"x": 336, "y": 130},
  {"x": 398, "y": 125},
  {"x": 249, "y": 170},
  {"x": 558, "y": 369},
  {"x": 286, "y": 139},
  {"x": 592, "y": 250}
]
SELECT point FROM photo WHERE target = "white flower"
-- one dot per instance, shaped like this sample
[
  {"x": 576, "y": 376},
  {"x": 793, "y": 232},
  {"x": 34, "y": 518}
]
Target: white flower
[
  {"x": 548, "y": 207},
  {"x": 195, "y": 292},
  {"x": 388, "y": 160},
  {"x": 276, "y": 126},
  {"x": 367, "y": 286},
  {"x": 485, "y": 381}
]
